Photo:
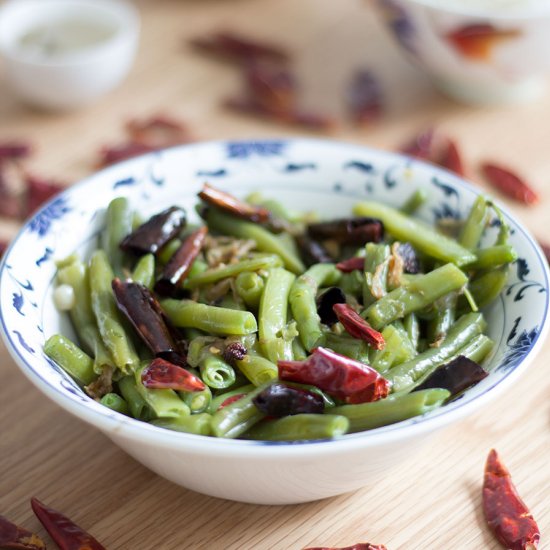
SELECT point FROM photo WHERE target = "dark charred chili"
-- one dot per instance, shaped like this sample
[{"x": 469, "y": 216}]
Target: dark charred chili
[
  {"x": 161, "y": 375},
  {"x": 358, "y": 546},
  {"x": 325, "y": 303},
  {"x": 280, "y": 400},
  {"x": 509, "y": 183},
  {"x": 151, "y": 236},
  {"x": 312, "y": 252},
  {"x": 180, "y": 263},
  {"x": 15, "y": 150},
  {"x": 145, "y": 314},
  {"x": 235, "y": 351},
  {"x": 411, "y": 263},
  {"x": 338, "y": 375},
  {"x": 455, "y": 376},
  {"x": 364, "y": 97},
  {"x": 14, "y": 537},
  {"x": 228, "y": 203},
  {"x": 507, "y": 515},
  {"x": 356, "y": 231},
  {"x": 240, "y": 48},
  {"x": 351, "y": 264},
  {"x": 66, "y": 534},
  {"x": 357, "y": 327}
]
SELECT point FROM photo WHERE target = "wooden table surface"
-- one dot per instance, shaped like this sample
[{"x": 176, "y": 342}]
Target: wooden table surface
[{"x": 432, "y": 501}]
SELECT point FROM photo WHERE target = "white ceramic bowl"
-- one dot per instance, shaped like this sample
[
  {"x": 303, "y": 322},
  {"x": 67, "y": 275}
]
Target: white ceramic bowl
[
  {"x": 107, "y": 31},
  {"x": 476, "y": 51},
  {"x": 305, "y": 174}
]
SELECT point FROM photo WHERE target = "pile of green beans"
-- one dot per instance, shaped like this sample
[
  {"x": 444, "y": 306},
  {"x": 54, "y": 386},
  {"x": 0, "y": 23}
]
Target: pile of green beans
[{"x": 270, "y": 310}]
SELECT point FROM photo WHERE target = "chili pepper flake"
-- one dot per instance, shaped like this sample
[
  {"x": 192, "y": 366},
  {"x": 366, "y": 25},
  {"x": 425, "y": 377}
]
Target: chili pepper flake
[
  {"x": 14, "y": 537},
  {"x": 358, "y": 546},
  {"x": 66, "y": 534},
  {"x": 506, "y": 513},
  {"x": 161, "y": 375},
  {"x": 357, "y": 327},
  {"x": 509, "y": 183},
  {"x": 338, "y": 375}
]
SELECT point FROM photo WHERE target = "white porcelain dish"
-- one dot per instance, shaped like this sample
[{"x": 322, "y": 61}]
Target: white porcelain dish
[
  {"x": 63, "y": 54},
  {"x": 484, "y": 52},
  {"x": 305, "y": 174}
]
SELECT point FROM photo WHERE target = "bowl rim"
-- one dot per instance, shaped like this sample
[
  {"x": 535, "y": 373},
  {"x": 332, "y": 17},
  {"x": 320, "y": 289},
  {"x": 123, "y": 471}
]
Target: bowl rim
[{"x": 125, "y": 427}]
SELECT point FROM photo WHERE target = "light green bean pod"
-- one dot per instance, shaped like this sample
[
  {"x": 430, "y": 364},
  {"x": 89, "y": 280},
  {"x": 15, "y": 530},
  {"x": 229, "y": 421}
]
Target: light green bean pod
[
  {"x": 144, "y": 272},
  {"x": 118, "y": 224},
  {"x": 257, "y": 369},
  {"x": 70, "y": 358}
]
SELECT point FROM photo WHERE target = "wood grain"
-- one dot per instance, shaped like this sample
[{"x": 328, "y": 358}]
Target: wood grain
[{"x": 430, "y": 502}]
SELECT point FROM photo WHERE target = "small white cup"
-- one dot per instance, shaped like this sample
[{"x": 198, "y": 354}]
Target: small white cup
[{"x": 64, "y": 54}]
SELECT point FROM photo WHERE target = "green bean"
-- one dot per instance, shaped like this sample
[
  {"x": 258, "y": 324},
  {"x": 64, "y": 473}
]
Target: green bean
[
  {"x": 217, "y": 320},
  {"x": 486, "y": 287},
  {"x": 197, "y": 346},
  {"x": 416, "y": 295},
  {"x": 346, "y": 345},
  {"x": 77, "y": 276},
  {"x": 215, "y": 372},
  {"x": 265, "y": 241},
  {"x": 300, "y": 427},
  {"x": 298, "y": 351},
  {"x": 504, "y": 230},
  {"x": 264, "y": 261},
  {"x": 414, "y": 202},
  {"x": 108, "y": 319},
  {"x": 164, "y": 403},
  {"x": 302, "y": 301},
  {"x": 392, "y": 409},
  {"x": 238, "y": 417},
  {"x": 250, "y": 286},
  {"x": 70, "y": 358},
  {"x": 475, "y": 224},
  {"x": 197, "y": 401},
  {"x": 168, "y": 250},
  {"x": 445, "y": 316},
  {"x": 476, "y": 349},
  {"x": 67, "y": 261},
  {"x": 272, "y": 316},
  {"x": 144, "y": 272},
  {"x": 220, "y": 398},
  {"x": 412, "y": 326},
  {"x": 376, "y": 272},
  {"x": 352, "y": 283},
  {"x": 493, "y": 256},
  {"x": 118, "y": 224},
  {"x": 257, "y": 369},
  {"x": 198, "y": 424},
  {"x": 136, "y": 403},
  {"x": 404, "y": 376},
  {"x": 424, "y": 238},
  {"x": 116, "y": 403},
  {"x": 275, "y": 207},
  {"x": 398, "y": 349},
  {"x": 328, "y": 401}
]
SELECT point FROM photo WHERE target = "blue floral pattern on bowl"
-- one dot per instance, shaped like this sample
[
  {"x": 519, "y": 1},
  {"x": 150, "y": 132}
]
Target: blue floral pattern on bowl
[{"x": 325, "y": 176}]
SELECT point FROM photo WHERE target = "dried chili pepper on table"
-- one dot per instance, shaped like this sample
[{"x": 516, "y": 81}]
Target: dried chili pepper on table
[
  {"x": 14, "y": 537},
  {"x": 420, "y": 146},
  {"x": 15, "y": 150},
  {"x": 116, "y": 153},
  {"x": 451, "y": 158},
  {"x": 336, "y": 374},
  {"x": 38, "y": 191},
  {"x": 545, "y": 247},
  {"x": 158, "y": 131},
  {"x": 66, "y": 534},
  {"x": 507, "y": 515},
  {"x": 509, "y": 183},
  {"x": 364, "y": 97},
  {"x": 161, "y": 374},
  {"x": 476, "y": 41},
  {"x": 357, "y": 327}
]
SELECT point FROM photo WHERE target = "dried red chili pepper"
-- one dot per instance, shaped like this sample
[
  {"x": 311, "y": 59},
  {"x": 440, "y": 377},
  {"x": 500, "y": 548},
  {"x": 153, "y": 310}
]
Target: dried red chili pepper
[
  {"x": 14, "y": 537},
  {"x": 356, "y": 263},
  {"x": 152, "y": 235},
  {"x": 476, "y": 41},
  {"x": 325, "y": 303},
  {"x": 509, "y": 183},
  {"x": 358, "y": 546},
  {"x": 507, "y": 515},
  {"x": 38, "y": 191},
  {"x": 239, "y": 48},
  {"x": 451, "y": 158},
  {"x": 420, "y": 146},
  {"x": 158, "y": 131},
  {"x": 279, "y": 400},
  {"x": 15, "y": 150},
  {"x": 161, "y": 375},
  {"x": 356, "y": 231},
  {"x": 143, "y": 311},
  {"x": 358, "y": 327},
  {"x": 336, "y": 374},
  {"x": 232, "y": 205},
  {"x": 231, "y": 399},
  {"x": 112, "y": 154},
  {"x": 180, "y": 263},
  {"x": 66, "y": 534},
  {"x": 364, "y": 97}
]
